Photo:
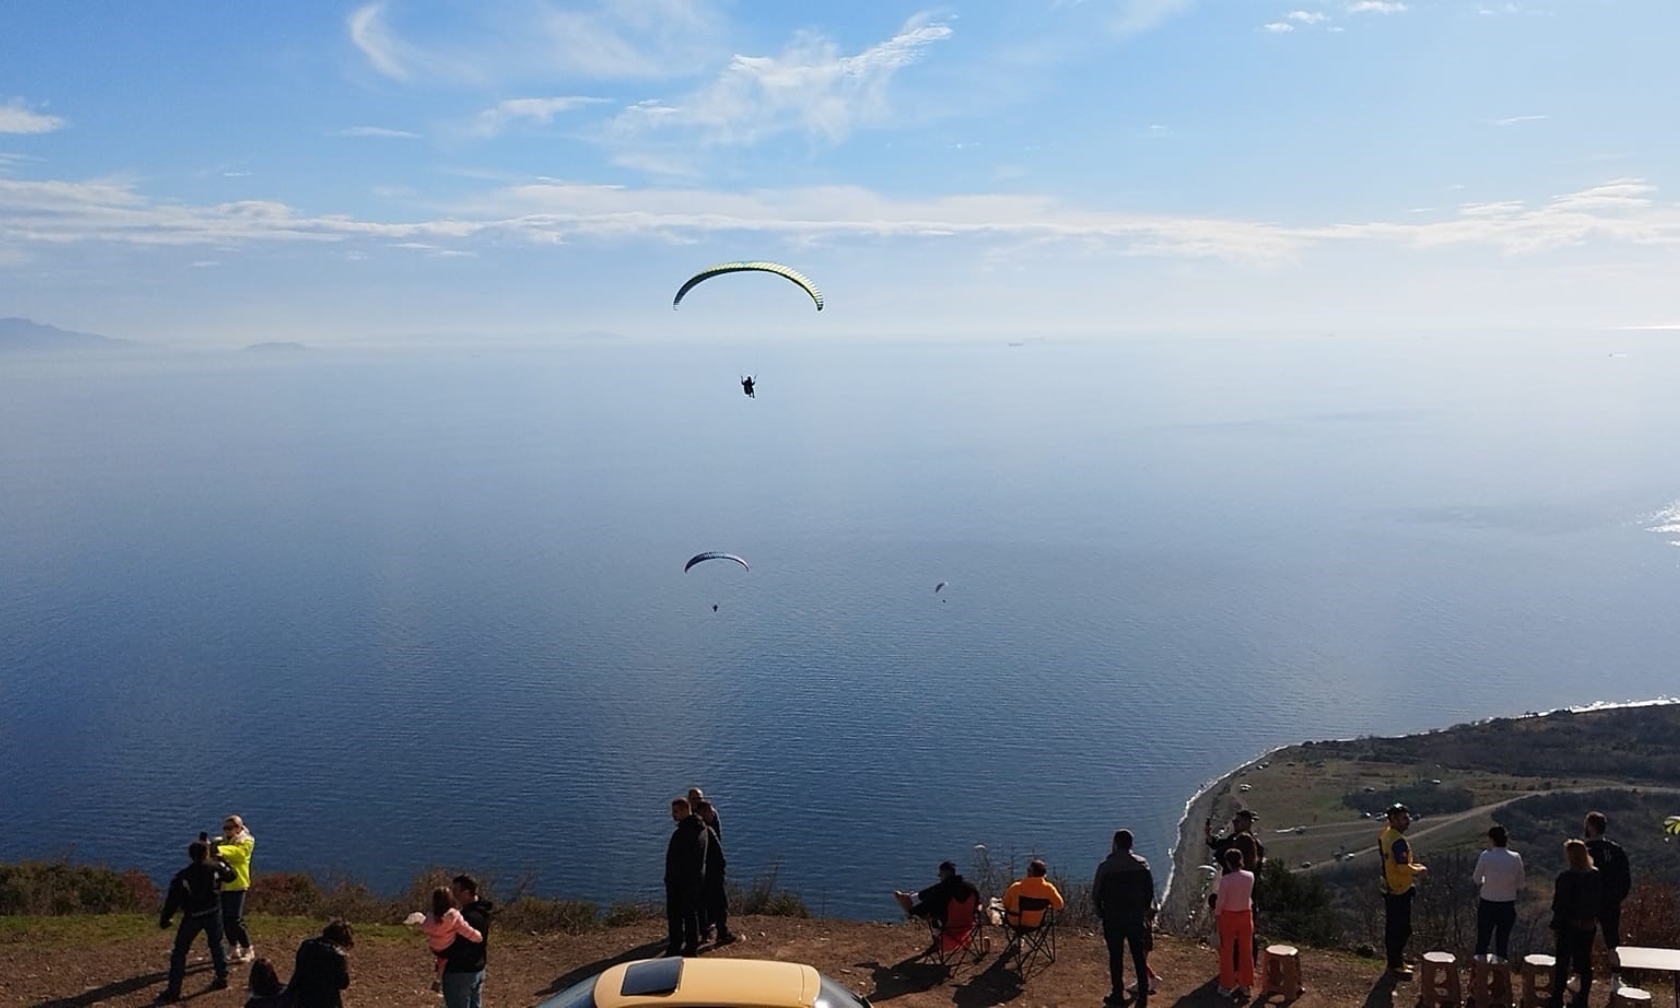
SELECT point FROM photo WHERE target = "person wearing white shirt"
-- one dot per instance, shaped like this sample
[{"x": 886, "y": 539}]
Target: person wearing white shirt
[{"x": 1499, "y": 873}]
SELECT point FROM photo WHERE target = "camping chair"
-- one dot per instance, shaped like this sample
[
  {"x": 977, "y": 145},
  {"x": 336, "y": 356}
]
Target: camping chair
[
  {"x": 1032, "y": 934},
  {"x": 958, "y": 939}
]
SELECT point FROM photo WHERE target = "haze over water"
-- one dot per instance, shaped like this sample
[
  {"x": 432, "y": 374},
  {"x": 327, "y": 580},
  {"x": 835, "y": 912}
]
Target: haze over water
[{"x": 414, "y": 609}]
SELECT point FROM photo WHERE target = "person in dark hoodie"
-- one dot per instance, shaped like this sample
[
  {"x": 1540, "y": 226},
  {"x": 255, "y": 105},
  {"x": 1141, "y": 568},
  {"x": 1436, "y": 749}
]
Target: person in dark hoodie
[
  {"x": 1576, "y": 904},
  {"x": 933, "y": 903},
  {"x": 463, "y": 972},
  {"x": 685, "y": 879},
  {"x": 1123, "y": 894},
  {"x": 323, "y": 968},
  {"x": 196, "y": 891}
]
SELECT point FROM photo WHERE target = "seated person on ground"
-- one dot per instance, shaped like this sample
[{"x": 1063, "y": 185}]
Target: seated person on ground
[
  {"x": 930, "y": 903},
  {"x": 1035, "y": 886}
]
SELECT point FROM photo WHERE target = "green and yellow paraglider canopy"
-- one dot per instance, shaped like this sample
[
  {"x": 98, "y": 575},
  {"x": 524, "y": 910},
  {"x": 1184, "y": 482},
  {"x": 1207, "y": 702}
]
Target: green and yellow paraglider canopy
[{"x": 749, "y": 267}]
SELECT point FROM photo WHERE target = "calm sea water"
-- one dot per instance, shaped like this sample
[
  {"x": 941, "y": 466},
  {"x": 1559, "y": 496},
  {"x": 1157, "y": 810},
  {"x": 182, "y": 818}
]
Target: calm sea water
[{"x": 410, "y": 609}]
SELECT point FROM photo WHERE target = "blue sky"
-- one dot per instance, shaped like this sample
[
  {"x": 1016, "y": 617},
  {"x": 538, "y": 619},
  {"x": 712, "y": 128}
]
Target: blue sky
[{"x": 405, "y": 171}]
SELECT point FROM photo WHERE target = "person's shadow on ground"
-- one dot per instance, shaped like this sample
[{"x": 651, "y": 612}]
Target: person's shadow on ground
[
  {"x": 98, "y": 995},
  {"x": 907, "y": 976},
  {"x": 1382, "y": 993},
  {"x": 995, "y": 985},
  {"x": 647, "y": 950}
]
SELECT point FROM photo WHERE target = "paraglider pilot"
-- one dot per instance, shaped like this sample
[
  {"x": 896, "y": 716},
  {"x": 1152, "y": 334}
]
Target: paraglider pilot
[{"x": 747, "y": 386}]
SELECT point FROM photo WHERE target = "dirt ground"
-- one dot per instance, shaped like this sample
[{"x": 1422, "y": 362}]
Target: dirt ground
[{"x": 874, "y": 959}]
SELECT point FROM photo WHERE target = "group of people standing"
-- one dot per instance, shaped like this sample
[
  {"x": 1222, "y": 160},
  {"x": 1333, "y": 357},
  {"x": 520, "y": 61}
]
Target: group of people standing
[
  {"x": 696, "y": 893},
  {"x": 1587, "y": 899},
  {"x": 209, "y": 894}
]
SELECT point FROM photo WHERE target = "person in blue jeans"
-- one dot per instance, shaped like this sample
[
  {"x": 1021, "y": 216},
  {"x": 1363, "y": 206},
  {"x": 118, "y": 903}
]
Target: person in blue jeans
[
  {"x": 196, "y": 892},
  {"x": 463, "y": 972}
]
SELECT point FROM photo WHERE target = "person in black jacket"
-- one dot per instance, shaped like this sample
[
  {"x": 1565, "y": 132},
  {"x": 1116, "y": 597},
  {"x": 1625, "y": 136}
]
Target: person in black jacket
[
  {"x": 463, "y": 969},
  {"x": 714, "y": 897},
  {"x": 1612, "y": 864},
  {"x": 933, "y": 903},
  {"x": 196, "y": 891},
  {"x": 1123, "y": 894},
  {"x": 1576, "y": 903},
  {"x": 685, "y": 878},
  {"x": 323, "y": 968}
]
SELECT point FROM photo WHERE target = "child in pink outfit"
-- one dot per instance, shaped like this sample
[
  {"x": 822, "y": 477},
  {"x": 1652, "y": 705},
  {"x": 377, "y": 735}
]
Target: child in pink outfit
[
  {"x": 1236, "y": 926},
  {"x": 441, "y": 926}
]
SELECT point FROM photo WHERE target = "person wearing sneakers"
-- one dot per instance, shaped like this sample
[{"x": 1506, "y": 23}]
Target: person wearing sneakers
[
  {"x": 1236, "y": 926},
  {"x": 194, "y": 891},
  {"x": 1399, "y": 879},
  {"x": 234, "y": 847}
]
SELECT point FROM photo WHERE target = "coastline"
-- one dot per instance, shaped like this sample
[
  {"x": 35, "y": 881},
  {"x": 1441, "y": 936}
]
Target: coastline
[
  {"x": 1180, "y": 896},
  {"x": 1220, "y": 798}
]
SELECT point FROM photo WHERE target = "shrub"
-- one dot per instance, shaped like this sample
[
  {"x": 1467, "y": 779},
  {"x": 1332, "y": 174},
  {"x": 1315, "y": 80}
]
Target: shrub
[
  {"x": 761, "y": 896},
  {"x": 620, "y": 914},
  {"x": 53, "y": 889}
]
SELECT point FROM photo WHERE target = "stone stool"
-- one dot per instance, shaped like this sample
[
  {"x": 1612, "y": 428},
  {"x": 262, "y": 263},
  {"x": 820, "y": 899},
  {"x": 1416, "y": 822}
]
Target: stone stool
[
  {"x": 1490, "y": 981},
  {"x": 1281, "y": 971},
  {"x": 1537, "y": 980},
  {"x": 1439, "y": 983},
  {"x": 1628, "y": 997}
]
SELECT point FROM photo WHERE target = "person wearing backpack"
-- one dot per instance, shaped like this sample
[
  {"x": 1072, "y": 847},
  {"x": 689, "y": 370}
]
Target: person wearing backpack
[{"x": 1612, "y": 863}]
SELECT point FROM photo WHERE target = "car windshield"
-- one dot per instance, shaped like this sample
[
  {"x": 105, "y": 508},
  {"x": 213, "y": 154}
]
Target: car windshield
[
  {"x": 578, "y": 995},
  {"x": 832, "y": 995}
]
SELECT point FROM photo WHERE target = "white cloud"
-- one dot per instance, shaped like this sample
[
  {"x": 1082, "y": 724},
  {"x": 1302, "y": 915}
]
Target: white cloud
[
  {"x": 542, "y": 39},
  {"x": 809, "y": 88},
  {"x": 493, "y": 121},
  {"x": 1307, "y": 17},
  {"x": 1277, "y": 27},
  {"x": 1376, "y": 7},
  {"x": 388, "y": 55},
  {"x": 629, "y": 38},
  {"x": 378, "y": 131},
  {"x": 16, "y": 117},
  {"x": 1621, "y": 210},
  {"x": 35, "y": 215},
  {"x": 1513, "y": 120},
  {"x": 1138, "y": 16}
]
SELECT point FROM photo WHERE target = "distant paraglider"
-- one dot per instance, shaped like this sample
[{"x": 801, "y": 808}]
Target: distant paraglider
[
  {"x": 940, "y": 585},
  {"x": 703, "y": 557},
  {"x": 1671, "y": 825},
  {"x": 755, "y": 266}
]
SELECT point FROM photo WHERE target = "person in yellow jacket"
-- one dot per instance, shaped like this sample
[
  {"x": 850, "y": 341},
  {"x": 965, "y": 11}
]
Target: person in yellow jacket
[
  {"x": 234, "y": 847},
  {"x": 1399, "y": 876},
  {"x": 1035, "y": 886}
]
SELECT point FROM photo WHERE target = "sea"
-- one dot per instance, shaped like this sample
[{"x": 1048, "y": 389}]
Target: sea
[{"x": 417, "y": 607}]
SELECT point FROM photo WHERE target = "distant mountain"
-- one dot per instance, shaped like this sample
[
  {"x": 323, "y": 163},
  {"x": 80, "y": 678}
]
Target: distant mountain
[
  {"x": 276, "y": 347},
  {"x": 20, "y": 335}
]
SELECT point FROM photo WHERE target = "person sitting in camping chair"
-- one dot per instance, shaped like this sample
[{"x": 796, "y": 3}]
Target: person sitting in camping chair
[
  {"x": 1025, "y": 902},
  {"x": 1027, "y": 908},
  {"x": 930, "y": 904}
]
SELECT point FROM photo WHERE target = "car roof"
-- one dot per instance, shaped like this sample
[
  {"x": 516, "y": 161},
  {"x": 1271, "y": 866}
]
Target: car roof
[{"x": 735, "y": 983}]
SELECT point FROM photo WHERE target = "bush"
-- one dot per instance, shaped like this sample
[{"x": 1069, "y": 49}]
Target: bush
[
  {"x": 1423, "y": 798},
  {"x": 620, "y": 914},
  {"x": 760, "y": 896},
  {"x": 37, "y": 887},
  {"x": 1297, "y": 907}
]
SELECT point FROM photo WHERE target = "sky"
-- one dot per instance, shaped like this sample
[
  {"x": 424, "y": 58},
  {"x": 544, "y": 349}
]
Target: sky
[{"x": 399, "y": 171}]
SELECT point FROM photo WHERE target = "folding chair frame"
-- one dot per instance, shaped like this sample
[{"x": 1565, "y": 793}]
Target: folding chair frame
[
  {"x": 1030, "y": 945},
  {"x": 957, "y": 941}
]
